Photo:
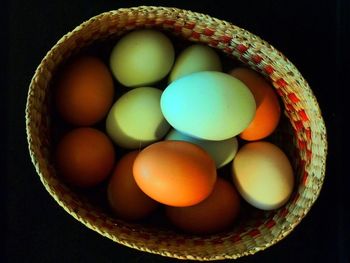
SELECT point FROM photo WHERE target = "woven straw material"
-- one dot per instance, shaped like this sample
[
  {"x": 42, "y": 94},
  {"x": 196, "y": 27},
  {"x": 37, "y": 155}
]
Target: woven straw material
[{"x": 307, "y": 142}]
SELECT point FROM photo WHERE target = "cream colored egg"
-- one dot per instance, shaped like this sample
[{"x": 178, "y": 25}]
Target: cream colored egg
[
  {"x": 141, "y": 58},
  {"x": 263, "y": 175},
  {"x": 222, "y": 152},
  {"x": 135, "y": 120},
  {"x": 195, "y": 58},
  {"x": 208, "y": 105}
]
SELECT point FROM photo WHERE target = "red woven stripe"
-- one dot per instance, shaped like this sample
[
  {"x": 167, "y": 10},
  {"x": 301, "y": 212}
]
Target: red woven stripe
[
  {"x": 279, "y": 92},
  {"x": 254, "y": 232},
  {"x": 270, "y": 223},
  {"x": 256, "y": 59},
  {"x": 289, "y": 107},
  {"x": 298, "y": 125},
  {"x": 241, "y": 48},
  {"x": 178, "y": 28},
  {"x": 304, "y": 178},
  {"x": 169, "y": 22},
  {"x": 213, "y": 43},
  {"x": 281, "y": 83},
  {"x": 269, "y": 69},
  {"x": 189, "y": 25},
  {"x": 195, "y": 35},
  {"x": 228, "y": 50},
  {"x": 208, "y": 32},
  {"x": 302, "y": 144},
  {"x": 295, "y": 199},
  {"x": 131, "y": 23},
  {"x": 151, "y": 22},
  {"x": 235, "y": 238},
  {"x": 293, "y": 97},
  {"x": 308, "y": 134},
  {"x": 303, "y": 115},
  {"x": 225, "y": 39},
  {"x": 284, "y": 212},
  {"x": 308, "y": 154}
]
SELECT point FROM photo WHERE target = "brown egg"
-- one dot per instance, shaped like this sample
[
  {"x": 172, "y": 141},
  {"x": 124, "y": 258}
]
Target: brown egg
[
  {"x": 268, "y": 110},
  {"x": 85, "y": 157},
  {"x": 85, "y": 92},
  {"x": 125, "y": 197},
  {"x": 175, "y": 173},
  {"x": 216, "y": 213}
]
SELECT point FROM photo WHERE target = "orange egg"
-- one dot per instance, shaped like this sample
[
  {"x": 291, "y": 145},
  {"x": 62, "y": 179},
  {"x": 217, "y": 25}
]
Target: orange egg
[
  {"x": 175, "y": 173},
  {"x": 85, "y": 92},
  {"x": 85, "y": 157},
  {"x": 214, "y": 214},
  {"x": 125, "y": 197},
  {"x": 267, "y": 106}
]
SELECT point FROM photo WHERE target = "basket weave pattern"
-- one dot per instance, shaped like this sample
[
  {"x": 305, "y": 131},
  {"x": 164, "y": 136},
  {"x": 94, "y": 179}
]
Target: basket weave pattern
[{"x": 308, "y": 143}]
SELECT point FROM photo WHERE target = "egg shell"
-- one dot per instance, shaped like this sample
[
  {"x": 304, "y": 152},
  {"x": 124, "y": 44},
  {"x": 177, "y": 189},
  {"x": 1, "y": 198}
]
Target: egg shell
[
  {"x": 216, "y": 213},
  {"x": 175, "y": 173},
  {"x": 208, "y": 105},
  {"x": 135, "y": 119},
  {"x": 222, "y": 152},
  {"x": 142, "y": 57},
  {"x": 84, "y": 92},
  {"x": 195, "y": 58},
  {"x": 268, "y": 109},
  {"x": 125, "y": 198},
  {"x": 84, "y": 157},
  {"x": 263, "y": 175}
]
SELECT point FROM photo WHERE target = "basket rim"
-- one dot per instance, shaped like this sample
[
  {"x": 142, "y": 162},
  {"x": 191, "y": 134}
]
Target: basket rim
[{"x": 35, "y": 155}]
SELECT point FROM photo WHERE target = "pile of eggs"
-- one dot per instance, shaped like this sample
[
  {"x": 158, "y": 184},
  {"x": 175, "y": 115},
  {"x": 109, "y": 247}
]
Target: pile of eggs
[{"x": 175, "y": 139}]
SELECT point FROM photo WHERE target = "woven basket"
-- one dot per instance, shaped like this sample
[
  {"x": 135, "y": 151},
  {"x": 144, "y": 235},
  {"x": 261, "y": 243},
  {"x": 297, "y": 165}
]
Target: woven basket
[{"x": 306, "y": 145}]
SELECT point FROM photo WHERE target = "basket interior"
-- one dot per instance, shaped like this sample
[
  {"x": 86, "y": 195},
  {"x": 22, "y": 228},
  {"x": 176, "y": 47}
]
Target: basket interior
[{"x": 301, "y": 134}]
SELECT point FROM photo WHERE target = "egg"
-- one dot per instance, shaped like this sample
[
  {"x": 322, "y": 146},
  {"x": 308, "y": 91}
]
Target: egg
[
  {"x": 263, "y": 175},
  {"x": 125, "y": 197},
  {"x": 267, "y": 105},
  {"x": 84, "y": 92},
  {"x": 208, "y": 105},
  {"x": 195, "y": 58},
  {"x": 135, "y": 119},
  {"x": 84, "y": 157},
  {"x": 222, "y": 152},
  {"x": 175, "y": 173},
  {"x": 216, "y": 213},
  {"x": 142, "y": 57}
]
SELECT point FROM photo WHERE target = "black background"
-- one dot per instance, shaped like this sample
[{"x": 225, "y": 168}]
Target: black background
[{"x": 310, "y": 33}]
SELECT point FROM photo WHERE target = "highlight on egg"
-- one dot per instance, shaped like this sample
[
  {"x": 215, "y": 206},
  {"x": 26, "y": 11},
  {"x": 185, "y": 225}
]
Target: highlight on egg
[
  {"x": 263, "y": 175},
  {"x": 142, "y": 57},
  {"x": 208, "y": 105},
  {"x": 135, "y": 119}
]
